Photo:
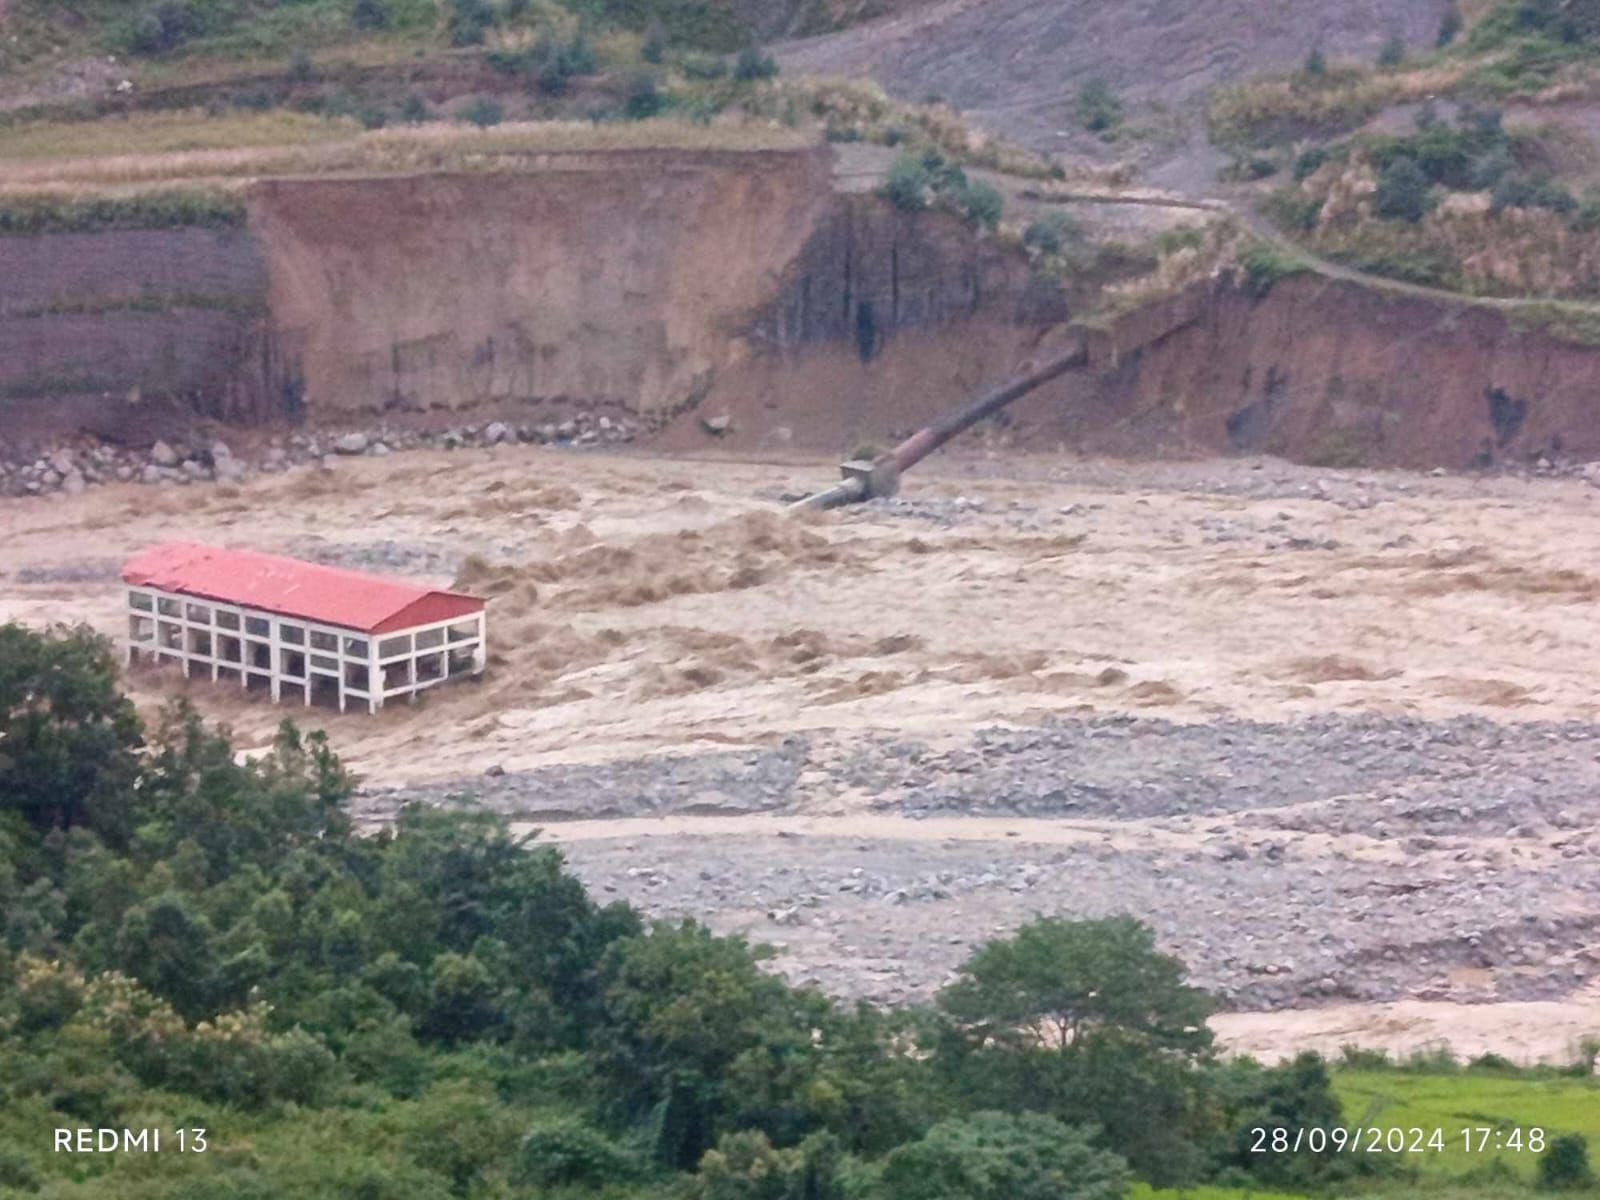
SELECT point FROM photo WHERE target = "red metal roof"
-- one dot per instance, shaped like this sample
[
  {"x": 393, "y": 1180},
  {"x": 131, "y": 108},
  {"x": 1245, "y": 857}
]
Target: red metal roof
[{"x": 310, "y": 591}]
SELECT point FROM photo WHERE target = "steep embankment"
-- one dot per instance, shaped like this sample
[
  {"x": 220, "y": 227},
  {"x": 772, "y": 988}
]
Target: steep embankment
[
  {"x": 645, "y": 282},
  {"x": 1335, "y": 373},
  {"x": 654, "y": 283},
  {"x": 740, "y": 291},
  {"x": 118, "y": 332},
  {"x": 602, "y": 279}
]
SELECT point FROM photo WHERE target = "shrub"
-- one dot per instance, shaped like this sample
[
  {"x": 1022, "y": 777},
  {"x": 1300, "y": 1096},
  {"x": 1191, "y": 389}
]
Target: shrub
[
  {"x": 704, "y": 66},
  {"x": 470, "y": 21},
  {"x": 1393, "y": 51},
  {"x": 1099, "y": 109},
  {"x": 1359, "y": 1058},
  {"x": 166, "y": 209},
  {"x": 1292, "y": 1095},
  {"x": 1000, "y": 1156},
  {"x": 745, "y": 1166},
  {"x": 1490, "y": 167},
  {"x": 1307, "y": 163},
  {"x": 1264, "y": 265},
  {"x": 644, "y": 97},
  {"x": 1518, "y": 191},
  {"x": 414, "y": 109},
  {"x": 1249, "y": 168},
  {"x": 371, "y": 14},
  {"x": 565, "y": 1153},
  {"x": 578, "y": 56},
  {"x": 1564, "y": 1167},
  {"x": 166, "y": 26},
  {"x": 1449, "y": 27},
  {"x": 1403, "y": 192},
  {"x": 908, "y": 184},
  {"x": 484, "y": 112},
  {"x": 654, "y": 47},
  {"x": 1290, "y": 209},
  {"x": 981, "y": 204},
  {"x": 301, "y": 68},
  {"x": 1316, "y": 64},
  {"x": 1048, "y": 234},
  {"x": 753, "y": 65}
]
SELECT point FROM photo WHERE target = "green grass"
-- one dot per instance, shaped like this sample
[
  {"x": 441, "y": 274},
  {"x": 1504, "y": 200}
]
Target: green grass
[
  {"x": 1143, "y": 1191},
  {"x": 1471, "y": 1099},
  {"x": 26, "y": 216},
  {"x": 1395, "y": 1191},
  {"x": 1265, "y": 264},
  {"x": 1564, "y": 322},
  {"x": 172, "y": 132}
]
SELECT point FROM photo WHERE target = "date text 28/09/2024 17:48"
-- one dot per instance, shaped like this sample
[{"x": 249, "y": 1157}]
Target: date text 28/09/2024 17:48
[{"x": 1378, "y": 1140}]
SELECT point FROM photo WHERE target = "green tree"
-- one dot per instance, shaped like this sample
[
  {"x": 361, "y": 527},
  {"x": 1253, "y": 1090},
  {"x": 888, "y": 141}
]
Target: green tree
[
  {"x": 1294, "y": 1095},
  {"x": 745, "y": 1166},
  {"x": 462, "y": 1000},
  {"x": 1519, "y": 191},
  {"x": 1393, "y": 51},
  {"x": 1085, "y": 1020},
  {"x": 1316, "y": 65},
  {"x": 1003, "y": 1156},
  {"x": 564, "y": 1152},
  {"x": 684, "y": 1012},
  {"x": 1403, "y": 192},
  {"x": 167, "y": 945},
  {"x": 1066, "y": 985},
  {"x": 1564, "y": 1167},
  {"x": 68, "y": 738}
]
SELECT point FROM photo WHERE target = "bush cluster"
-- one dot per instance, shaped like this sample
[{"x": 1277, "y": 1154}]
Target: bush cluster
[{"x": 918, "y": 181}]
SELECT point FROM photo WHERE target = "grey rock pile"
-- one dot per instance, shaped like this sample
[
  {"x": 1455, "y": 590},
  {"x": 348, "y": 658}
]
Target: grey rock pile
[{"x": 72, "y": 467}]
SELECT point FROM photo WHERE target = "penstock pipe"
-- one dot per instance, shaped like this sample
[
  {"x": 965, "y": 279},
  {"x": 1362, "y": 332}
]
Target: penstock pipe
[
  {"x": 925, "y": 441},
  {"x": 863, "y": 481}
]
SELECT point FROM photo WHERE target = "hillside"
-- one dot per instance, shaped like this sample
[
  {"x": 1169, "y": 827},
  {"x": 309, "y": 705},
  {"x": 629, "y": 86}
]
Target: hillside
[
  {"x": 1016, "y": 65},
  {"x": 1472, "y": 167}
]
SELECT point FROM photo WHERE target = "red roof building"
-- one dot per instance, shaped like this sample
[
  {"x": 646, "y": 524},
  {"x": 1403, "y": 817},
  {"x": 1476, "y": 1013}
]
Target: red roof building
[{"x": 279, "y": 623}]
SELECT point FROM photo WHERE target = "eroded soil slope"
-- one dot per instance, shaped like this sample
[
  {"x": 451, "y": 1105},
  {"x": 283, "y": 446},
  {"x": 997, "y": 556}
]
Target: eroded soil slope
[{"x": 1015, "y": 65}]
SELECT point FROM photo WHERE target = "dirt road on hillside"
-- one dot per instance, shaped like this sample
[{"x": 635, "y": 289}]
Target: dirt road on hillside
[{"x": 1332, "y": 733}]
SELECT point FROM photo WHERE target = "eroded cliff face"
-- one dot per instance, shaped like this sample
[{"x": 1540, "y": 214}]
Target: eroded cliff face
[
  {"x": 663, "y": 285},
  {"x": 1332, "y": 373},
  {"x": 122, "y": 332},
  {"x": 680, "y": 286},
  {"x": 616, "y": 279}
]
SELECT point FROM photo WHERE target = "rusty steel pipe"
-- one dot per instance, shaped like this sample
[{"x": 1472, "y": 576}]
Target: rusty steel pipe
[
  {"x": 925, "y": 441},
  {"x": 881, "y": 477}
]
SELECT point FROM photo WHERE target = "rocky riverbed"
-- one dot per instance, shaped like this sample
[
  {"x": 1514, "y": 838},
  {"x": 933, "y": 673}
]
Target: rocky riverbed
[{"x": 1336, "y": 858}]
